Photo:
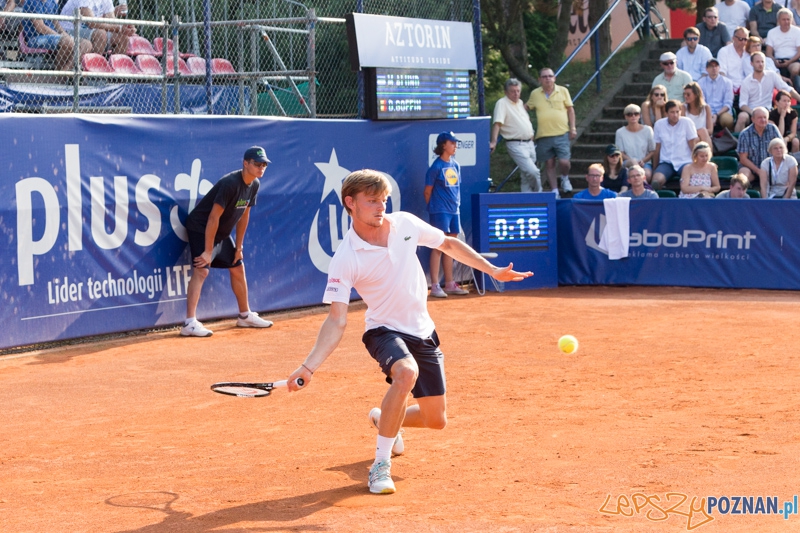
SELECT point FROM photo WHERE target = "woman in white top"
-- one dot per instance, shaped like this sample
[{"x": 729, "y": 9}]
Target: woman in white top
[
  {"x": 778, "y": 175},
  {"x": 635, "y": 141},
  {"x": 698, "y": 111}
]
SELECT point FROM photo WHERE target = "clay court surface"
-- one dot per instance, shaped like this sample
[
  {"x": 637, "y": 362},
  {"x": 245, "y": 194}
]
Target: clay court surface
[{"x": 682, "y": 391}]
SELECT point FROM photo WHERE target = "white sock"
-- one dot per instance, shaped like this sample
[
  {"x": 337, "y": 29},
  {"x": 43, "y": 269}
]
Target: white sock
[
  {"x": 188, "y": 320},
  {"x": 383, "y": 451},
  {"x": 244, "y": 315},
  {"x": 565, "y": 177}
]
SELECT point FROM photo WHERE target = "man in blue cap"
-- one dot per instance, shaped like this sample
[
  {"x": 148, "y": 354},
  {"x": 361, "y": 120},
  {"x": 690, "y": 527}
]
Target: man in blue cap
[
  {"x": 443, "y": 196},
  {"x": 225, "y": 207}
]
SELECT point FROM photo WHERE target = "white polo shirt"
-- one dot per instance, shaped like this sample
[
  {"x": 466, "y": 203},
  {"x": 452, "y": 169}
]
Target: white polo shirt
[
  {"x": 390, "y": 280},
  {"x": 674, "y": 141},
  {"x": 514, "y": 120}
]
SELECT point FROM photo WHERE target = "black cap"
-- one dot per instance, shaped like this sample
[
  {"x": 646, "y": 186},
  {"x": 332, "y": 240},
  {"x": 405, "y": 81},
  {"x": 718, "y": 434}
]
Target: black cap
[{"x": 256, "y": 153}]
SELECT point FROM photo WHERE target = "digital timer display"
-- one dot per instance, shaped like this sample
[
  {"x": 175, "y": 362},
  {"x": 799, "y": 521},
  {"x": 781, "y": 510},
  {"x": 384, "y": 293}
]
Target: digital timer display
[
  {"x": 518, "y": 227},
  {"x": 418, "y": 93}
]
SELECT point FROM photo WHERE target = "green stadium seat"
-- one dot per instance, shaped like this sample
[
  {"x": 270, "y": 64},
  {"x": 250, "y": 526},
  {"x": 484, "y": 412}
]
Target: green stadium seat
[
  {"x": 664, "y": 193},
  {"x": 753, "y": 193},
  {"x": 726, "y": 166}
]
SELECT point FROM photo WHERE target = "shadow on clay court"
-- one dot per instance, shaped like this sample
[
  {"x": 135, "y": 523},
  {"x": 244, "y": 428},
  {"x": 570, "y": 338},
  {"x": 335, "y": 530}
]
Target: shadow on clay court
[{"x": 278, "y": 510}]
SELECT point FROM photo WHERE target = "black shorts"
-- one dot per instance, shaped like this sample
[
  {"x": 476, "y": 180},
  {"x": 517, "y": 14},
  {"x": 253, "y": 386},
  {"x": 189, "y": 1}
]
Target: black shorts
[
  {"x": 222, "y": 255},
  {"x": 388, "y": 346}
]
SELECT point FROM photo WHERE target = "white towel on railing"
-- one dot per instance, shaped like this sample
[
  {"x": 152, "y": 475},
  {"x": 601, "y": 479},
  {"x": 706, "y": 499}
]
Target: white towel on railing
[{"x": 616, "y": 237}]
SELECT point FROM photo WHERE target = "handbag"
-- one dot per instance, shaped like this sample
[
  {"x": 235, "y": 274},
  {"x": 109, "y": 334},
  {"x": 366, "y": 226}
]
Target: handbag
[{"x": 724, "y": 142}]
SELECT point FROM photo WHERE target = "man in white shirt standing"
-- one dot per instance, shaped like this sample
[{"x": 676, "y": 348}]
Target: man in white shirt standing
[
  {"x": 733, "y": 13},
  {"x": 675, "y": 137},
  {"x": 757, "y": 89},
  {"x": 783, "y": 46},
  {"x": 693, "y": 57},
  {"x": 734, "y": 57},
  {"x": 378, "y": 257},
  {"x": 511, "y": 120}
]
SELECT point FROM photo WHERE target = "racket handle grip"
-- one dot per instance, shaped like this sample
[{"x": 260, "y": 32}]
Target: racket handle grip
[{"x": 283, "y": 383}]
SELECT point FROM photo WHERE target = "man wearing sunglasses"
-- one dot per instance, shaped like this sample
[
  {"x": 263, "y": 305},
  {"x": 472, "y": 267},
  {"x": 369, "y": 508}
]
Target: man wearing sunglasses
[
  {"x": 209, "y": 226},
  {"x": 734, "y": 59},
  {"x": 714, "y": 34},
  {"x": 692, "y": 58},
  {"x": 672, "y": 78}
]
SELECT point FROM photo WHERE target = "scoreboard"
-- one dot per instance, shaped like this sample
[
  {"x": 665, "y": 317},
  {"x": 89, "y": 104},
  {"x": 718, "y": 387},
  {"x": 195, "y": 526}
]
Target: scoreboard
[{"x": 394, "y": 93}]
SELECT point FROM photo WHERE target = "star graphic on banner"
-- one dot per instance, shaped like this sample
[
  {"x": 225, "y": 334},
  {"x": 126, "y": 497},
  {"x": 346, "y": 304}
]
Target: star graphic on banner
[{"x": 334, "y": 176}]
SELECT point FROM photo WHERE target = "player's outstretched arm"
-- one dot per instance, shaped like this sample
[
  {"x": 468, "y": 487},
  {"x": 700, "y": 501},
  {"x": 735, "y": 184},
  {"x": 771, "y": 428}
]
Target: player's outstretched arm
[
  {"x": 466, "y": 255},
  {"x": 328, "y": 338}
]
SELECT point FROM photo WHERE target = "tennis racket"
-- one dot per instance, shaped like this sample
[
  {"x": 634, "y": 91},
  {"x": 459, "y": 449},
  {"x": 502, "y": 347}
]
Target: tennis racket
[{"x": 250, "y": 390}]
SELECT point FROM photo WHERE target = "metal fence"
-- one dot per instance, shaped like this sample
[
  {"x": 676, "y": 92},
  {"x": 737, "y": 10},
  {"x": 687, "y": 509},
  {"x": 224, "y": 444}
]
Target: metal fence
[{"x": 229, "y": 57}]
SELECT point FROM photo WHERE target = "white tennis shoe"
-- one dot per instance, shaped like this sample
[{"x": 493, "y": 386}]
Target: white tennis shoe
[
  {"x": 380, "y": 478},
  {"x": 252, "y": 320},
  {"x": 566, "y": 185},
  {"x": 453, "y": 288},
  {"x": 375, "y": 419},
  {"x": 195, "y": 329},
  {"x": 437, "y": 292}
]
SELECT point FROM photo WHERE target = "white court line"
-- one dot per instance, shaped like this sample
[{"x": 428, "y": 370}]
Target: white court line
[{"x": 102, "y": 309}]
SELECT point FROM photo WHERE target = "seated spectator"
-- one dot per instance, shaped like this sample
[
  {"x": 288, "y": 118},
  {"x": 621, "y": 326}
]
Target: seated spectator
[
  {"x": 785, "y": 118},
  {"x": 733, "y": 13},
  {"x": 763, "y": 17},
  {"x": 637, "y": 183},
  {"x": 794, "y": 7},
  {"x": 595, "y": 190},
  {"x": 615, "y": 175},
  {"x": 718, "y": 93},
  {"x": 635, "y": 141},
  {"x": 713, "y": 33},
  {"x": 103, "y": 37},
  {"x": 48, "y": 34},
  {"x": 757, "y": 89},
  {"x": 778, "y": 172},
  {"x": 698, "y": 111},
  {"x": 9, "y": 28},
  {"x": 738, "y": 189},
  {"x": 755, "y": 44},
  {"x": 692, "y": 58},
  {"x": 653, "y": 108},
  {"x": 783, "y": 46},
  {"x": 734, "y": 59},
  {"x": 699, "y": 179},
  {"x": 672, "y": 78},
  {"x": 753, "y": 143},
  {"x": 675, "y": 137}
]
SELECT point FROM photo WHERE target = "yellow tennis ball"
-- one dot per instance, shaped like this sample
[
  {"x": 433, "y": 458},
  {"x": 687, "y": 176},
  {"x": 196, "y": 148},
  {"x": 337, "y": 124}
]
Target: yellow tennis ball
[{"x": 568, "y": 344}]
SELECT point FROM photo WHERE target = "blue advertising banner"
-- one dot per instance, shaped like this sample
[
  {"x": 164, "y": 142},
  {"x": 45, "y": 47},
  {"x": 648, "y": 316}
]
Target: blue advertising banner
[
  {"x": 92, "y": 209},
  {"x": 691, "y": 243}
]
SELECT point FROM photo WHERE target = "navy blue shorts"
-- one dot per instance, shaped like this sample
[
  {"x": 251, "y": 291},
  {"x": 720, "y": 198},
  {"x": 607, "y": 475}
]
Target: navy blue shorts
[
  {"x": 447, "y": 222},
  {"x": 223, "y": 254},
  {"x": 387, "y": 346},
  {"x": 669, "y": 171}
]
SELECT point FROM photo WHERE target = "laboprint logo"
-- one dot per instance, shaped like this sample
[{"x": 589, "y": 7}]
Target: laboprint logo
[
  {"x": 714, "y": 242},
  {"x": 332, "y": 216}
]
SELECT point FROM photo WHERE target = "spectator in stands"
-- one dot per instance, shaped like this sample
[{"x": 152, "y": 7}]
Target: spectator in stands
[
  {"x": 794, "y": 7},
  {"x": 718, "y": 93},
  {"x": 763, "y": 17},
  {"x": 637, "y": 183},
  {"x": 734, "y": 57},
  {"x": 757, "y": 89},
  {"x": 692, "y": 58},
  {"x": 443, "y": 195},
  {"x": 675, "y": 137},
  {"x": 555, "y": 116},
  {"x": 753, "y": 143},
  {"x": 511, "y": 120},
  {"x": 783, "y": 46},
  {"x": 785, "y": 118},
  {"x": 103, "y": 36},
  {"x": 672, "y": 78},
  {"x": 49, "y": 35},
  {"x": 698, "y": 111},
  {"x": 635, "y": 141},
  {"x": 615, "y": 175},
  {"x": 653, "y": 108},
  {"x": 755, "y": 44},
  {"x": 699, "y": 179},
  {"x": 9, "y": 28},
  {"x": 595, "y": 190},
  {"x": 778, "y": 173},
  {"x": 738, "y": 188},
  {"x": 713, "y": 33},
  {"x": 733, "y": 13}
]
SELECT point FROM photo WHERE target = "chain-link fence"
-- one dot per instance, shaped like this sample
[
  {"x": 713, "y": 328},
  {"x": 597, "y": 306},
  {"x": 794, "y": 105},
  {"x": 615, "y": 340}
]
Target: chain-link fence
[{"x": 229, "y": 57}]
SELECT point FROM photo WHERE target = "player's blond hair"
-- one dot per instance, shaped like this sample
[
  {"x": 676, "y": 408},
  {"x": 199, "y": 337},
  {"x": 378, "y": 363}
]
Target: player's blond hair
[{"x": 367, "y": 181}]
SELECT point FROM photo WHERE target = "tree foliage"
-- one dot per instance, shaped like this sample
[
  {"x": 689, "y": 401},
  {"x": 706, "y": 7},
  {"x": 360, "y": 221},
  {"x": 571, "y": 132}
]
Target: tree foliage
[{"x": 505, "y": 32}]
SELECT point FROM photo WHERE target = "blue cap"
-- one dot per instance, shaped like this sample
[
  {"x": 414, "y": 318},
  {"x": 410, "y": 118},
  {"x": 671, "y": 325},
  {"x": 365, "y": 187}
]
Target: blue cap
[
  {"x": 446, "y": 136},
  {"x": 256, "y": 153}
]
